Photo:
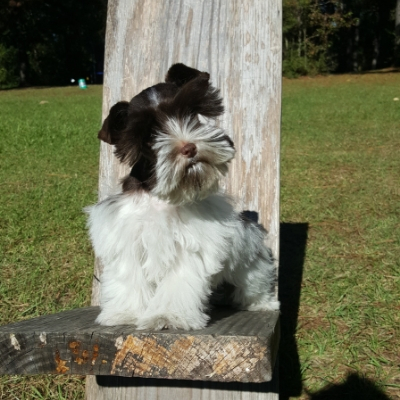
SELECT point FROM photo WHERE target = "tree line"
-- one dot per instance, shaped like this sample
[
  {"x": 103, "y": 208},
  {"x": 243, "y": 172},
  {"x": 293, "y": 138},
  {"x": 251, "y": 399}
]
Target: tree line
[
  {"x": 321, "y": 36},
  {"x": 50, "y": 42}
]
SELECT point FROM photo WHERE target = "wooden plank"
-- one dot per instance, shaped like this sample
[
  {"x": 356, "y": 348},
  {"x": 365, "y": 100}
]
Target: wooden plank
[{"x": 236, "y": 346}]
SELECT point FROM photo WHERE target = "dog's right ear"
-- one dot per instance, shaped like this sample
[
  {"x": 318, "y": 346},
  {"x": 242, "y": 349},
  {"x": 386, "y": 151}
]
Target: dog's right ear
[
  {"x": 115, "y": 123},
  {"x": 181, "y": 74}
]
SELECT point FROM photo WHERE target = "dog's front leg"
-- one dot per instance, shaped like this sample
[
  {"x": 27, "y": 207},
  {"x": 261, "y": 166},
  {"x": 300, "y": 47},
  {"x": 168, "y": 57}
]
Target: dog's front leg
[
  {"x": 125, "y": 294},
  {"x": 179, "y": 300}
]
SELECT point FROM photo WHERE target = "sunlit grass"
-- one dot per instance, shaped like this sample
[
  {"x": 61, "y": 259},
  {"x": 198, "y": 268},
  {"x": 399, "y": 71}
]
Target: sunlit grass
[
  {"x": 340, "y": 174},
  {"x": 48, "y": 173}
]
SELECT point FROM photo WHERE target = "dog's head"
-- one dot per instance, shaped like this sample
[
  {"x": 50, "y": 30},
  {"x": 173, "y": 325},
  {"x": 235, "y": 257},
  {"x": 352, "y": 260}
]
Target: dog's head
[{"x": 162, "y": 135}]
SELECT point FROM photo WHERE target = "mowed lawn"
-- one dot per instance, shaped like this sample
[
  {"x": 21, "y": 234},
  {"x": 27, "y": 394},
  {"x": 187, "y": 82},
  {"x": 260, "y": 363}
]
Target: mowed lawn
[
  {"x": 341, "y": 180},
  {"x": 48, "y": 173},
  {"x": 340, "y": 209}
]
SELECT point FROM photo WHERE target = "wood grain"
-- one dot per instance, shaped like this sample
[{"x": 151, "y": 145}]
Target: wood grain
[{"x": 237, "y": 346}]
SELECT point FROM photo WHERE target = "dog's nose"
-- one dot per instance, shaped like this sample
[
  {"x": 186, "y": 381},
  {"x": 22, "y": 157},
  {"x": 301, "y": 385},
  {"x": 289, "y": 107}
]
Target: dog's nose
[{"x": 189, "y": 150}]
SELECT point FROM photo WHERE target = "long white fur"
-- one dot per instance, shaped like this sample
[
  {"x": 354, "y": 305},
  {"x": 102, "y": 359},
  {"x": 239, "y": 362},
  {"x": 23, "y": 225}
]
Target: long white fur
[
  {"x": 164, "y": 251},
  {"x": 161, "y": 261}
]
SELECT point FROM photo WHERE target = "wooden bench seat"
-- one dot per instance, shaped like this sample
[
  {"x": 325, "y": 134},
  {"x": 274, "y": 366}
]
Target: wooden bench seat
[{"x": 238, "y": 346}]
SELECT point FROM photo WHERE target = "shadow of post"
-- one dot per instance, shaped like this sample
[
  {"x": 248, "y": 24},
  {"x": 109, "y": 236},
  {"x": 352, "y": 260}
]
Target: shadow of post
[
  {"x": 355, "y": 387},
  {"x": 293, "y": 241}
]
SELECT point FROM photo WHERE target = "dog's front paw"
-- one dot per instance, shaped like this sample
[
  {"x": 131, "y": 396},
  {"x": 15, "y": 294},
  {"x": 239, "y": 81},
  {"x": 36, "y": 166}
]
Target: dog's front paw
[
  {"x": 169, "y": 321},
  {"x": 111, "y": 319}
]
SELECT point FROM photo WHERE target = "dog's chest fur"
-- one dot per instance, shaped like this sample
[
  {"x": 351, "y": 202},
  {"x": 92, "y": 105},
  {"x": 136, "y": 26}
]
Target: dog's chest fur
[{"x": 139, "y": 230}]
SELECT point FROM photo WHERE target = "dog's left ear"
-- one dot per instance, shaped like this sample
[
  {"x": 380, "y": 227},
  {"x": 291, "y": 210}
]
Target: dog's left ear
[
  {"x": 115, "y": 123},
  {"x": 196, "y": 95},
  {"x": 181, "y": 74}
]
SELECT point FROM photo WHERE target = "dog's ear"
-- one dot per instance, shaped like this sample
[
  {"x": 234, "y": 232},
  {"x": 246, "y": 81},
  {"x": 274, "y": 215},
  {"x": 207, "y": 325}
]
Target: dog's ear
[
  {"x": 198, "y": 97},
  {"x": 115, "y": 123},
  {"x": 133, "y": 143},
  {"x": 127, "y": 133},
  {"x": 181, "y": 74}
]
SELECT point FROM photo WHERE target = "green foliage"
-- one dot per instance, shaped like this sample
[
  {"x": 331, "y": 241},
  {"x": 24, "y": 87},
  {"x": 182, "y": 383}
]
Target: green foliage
[
  {"x": 294, "y": 65},
  {"x": 46, "y": 63},
  {"x": 322, "y": 36},
  {"x": 8, "y": 71},
  {"x": 308, "y": 30},
  {"x": 48, "y": 42}
]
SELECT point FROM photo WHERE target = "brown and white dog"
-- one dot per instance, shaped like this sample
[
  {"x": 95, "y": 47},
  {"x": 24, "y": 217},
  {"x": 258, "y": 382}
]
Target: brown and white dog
[{"x": 170, "y": 237}]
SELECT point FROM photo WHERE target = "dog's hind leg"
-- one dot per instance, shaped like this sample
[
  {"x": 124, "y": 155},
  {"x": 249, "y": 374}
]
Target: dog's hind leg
[
  {"x": 251, "y": 269},
  {"x": 255, "y": 285}
]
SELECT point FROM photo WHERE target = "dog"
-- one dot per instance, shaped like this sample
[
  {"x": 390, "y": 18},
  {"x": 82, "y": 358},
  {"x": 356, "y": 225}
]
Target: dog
[{"x": 170, "y": 237}]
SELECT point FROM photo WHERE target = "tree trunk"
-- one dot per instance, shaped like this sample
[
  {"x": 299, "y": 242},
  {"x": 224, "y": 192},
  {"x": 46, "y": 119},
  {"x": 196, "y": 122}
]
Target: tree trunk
[
  {"x": 356, "y": 42},
  {"x": 22, "y": 74},
  {"x": 375, "y": 57},
  {"x": 397, "y": 31}
]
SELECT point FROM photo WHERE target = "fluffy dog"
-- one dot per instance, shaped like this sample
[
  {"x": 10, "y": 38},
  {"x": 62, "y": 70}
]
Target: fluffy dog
[{"x": 170, "y": 237}]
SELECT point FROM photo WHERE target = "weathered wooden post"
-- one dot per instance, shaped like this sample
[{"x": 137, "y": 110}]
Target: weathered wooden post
[{"x": 239, "y": 43}]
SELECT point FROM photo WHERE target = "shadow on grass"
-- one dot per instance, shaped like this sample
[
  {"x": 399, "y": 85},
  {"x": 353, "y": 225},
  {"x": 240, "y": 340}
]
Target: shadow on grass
[
  {"x": 354, "y": 387},
  {"x": 293, "y": 242}
]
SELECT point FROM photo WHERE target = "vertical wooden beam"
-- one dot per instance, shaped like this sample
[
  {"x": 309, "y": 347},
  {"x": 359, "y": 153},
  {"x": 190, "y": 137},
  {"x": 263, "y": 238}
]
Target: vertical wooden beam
[{"x": 239, "y": 44}]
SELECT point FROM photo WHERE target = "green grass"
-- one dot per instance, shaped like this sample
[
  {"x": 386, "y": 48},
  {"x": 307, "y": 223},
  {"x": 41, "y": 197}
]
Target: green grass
[
  {"x": 340, "y": 175},
  {"x": 48, "y": 173}
]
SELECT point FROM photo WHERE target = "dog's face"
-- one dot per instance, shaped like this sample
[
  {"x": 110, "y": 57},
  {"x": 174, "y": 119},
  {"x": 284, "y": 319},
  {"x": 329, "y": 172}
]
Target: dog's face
[{"x": 161, "y": 134}]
